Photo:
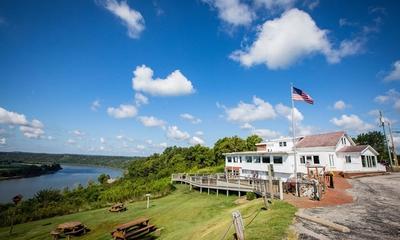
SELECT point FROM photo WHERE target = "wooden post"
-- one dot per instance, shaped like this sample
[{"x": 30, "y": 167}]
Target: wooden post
[
  {"x": 280, "y": 189},
  {"x": 201, "y": 189},
  {"x": 238, "y": 224},
  {"x": 271, "y": 191},
  {"x": 208, "y": 190},
  {"x": 227, "y": 192},
  {"x": 217, "y": 192}
]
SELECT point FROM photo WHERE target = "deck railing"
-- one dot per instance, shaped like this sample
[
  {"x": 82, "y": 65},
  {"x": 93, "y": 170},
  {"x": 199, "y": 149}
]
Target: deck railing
[{"x": 230, "y": 182}]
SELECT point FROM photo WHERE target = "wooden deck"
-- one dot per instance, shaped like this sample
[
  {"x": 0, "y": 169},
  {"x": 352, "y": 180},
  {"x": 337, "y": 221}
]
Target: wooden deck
[{"x": 228, "y": 183}]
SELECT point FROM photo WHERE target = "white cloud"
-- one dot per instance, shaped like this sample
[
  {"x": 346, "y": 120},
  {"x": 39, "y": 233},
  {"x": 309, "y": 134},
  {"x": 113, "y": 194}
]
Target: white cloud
[
  {"x": 375, "y": 113},
  {"x": 190, "y": 118},
  {"x": 141, "y": 147},
  {"x": 95, "y": 105},
  {"x": 275, "y": 4},
  {"x": 195, "y": 140},
  {"x": 340, "y": 105},
  {"x": 78, "y": 133},
  {"x": 286, "y": 112},
  {"x": 247, "y": 112},
  {"x": 14, "y": 118},
  {"x": 131, "y": 18},
  {"x": 394, "y": 74},
  {"x": 232, "y": 11},
  {"x": 175, "y": 84},
  {"x": 302, "y": 130},
  {"x": 246, "y": 126},
  {"x": 265, "y": 133},
  {"x": 163, "y": 145},
  {"x": 173, "y": 132},
  {"x": 123, "y": 111},
  {"x": 3, "y": 141},
  {"x": 283, "y": 41},
  {"x": 141, "y": 99},
  {"x": 151, "y": 121},
  {"x": 199, "y": 133},
  {"x": 390, "y": 97},
  {"x": 71, "y": 141},
  {"x": 32, "y": 129},
  {"x": 102, "y": 140},
  {"x": 351, "y": 122}
]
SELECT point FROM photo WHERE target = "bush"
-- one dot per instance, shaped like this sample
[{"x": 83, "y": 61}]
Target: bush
[{"x": 250, "y": 196}]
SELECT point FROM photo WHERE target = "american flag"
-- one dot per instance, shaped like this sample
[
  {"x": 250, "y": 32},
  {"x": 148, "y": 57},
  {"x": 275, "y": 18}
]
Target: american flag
[{"x": 299, "y": 95}]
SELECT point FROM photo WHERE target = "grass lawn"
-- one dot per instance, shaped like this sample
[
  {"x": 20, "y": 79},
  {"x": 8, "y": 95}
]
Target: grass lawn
[{"x": 183, "y": 214}]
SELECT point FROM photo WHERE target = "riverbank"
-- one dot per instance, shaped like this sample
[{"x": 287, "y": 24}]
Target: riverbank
[
  {"x": 183, "y": 215},
  {"x": 15, "y": 170}
]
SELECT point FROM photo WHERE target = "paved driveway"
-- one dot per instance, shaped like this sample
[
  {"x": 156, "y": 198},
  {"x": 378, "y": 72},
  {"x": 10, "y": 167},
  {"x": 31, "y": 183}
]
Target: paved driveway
[{"x": 375, "y": 214}]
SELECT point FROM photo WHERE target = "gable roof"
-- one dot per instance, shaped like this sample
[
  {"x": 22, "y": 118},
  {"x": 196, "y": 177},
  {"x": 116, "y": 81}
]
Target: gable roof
[
  {"x": 320, "y": 140},
  {"x": 357, "y": 148}
]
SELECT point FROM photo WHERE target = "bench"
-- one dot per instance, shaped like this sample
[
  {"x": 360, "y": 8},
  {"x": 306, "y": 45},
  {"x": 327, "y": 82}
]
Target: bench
[{"x": 133, "y": 229}]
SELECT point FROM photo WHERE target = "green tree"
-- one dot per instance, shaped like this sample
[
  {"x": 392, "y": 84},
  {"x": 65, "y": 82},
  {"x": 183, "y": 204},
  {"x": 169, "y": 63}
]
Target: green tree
[
  {"x": 376, "y": 140},
  {"x": 251, "y": 142},
  {"x": 226, "y": 145},
  {"x": 103, "y": 178}
]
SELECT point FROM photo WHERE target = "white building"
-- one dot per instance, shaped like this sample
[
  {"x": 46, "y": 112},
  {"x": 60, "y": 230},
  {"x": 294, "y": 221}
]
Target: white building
[{"x": 335, "y": 151}]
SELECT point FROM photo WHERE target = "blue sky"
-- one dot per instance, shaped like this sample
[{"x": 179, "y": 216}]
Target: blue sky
[{"x": 132, "y": 77}]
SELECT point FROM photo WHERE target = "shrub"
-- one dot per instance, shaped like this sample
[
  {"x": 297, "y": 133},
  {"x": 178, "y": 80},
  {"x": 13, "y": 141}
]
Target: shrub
[{"x": 250, "y": 196}]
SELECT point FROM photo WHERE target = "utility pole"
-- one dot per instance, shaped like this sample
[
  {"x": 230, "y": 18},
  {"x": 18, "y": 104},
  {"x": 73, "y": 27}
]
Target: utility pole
[
  {"x": 393, "y": 147},
  {"x": 382, "y": 120}
]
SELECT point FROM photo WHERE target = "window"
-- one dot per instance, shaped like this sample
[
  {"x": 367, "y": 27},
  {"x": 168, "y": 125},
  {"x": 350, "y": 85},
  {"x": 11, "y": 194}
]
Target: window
[
  {"x": 308, "y": 158},
  {"x": 373, "y": 161},
  {"x": 316, "y": 159},
  {"x": 278, "y": 159},
  {"x": 256, "y": 159},
  {"x": 266, "y": 159},
  {"x": 282, "y": 144},
  {"x": 348, "y": 159},
  {"x": 344, "y": 141},
  {"x": 302, "y": 160},
  {"x": 364, "y": 164},
  {"x": 235, "y": 159},
  {"x": 248, "y": 159},
  {"x": 240, "y": 159},
  {"x": 369, "y": 163},
  {"x": 229, "y": 159}
]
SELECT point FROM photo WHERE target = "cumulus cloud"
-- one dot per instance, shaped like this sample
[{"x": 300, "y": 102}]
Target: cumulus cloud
[
  {"x": 200, "y": 133},
  {"x": 3, "y": 141},
  {"x": 8, "y": 117},
  {"x": 265, "y": 133},
  {"x": 232, "y": 11},
  {"x": 390, "y": 97},
  {"x": 190, "y": 118},
  {"x": 351, "y": 122},
  {"x": 196, "y": 140},
  {"x": 71, "y": 141},
  {"x": 175, "y": 84},
  {"x": 340, "y": 105},
  {"x": 33, "y": 129},
  {"x": 123, "y": 111},
  {"x": 150, "y": 121},
  {"x": 246, "y": 126},
  {"x": 78, "y": 133},
  {"x": 250, "y": 112},
  {"x": 286, "y": 112},
  {"x": 95, "y": 105},
  {"x": 173, "y": 132},
  {"x": 275, "y": 4},
  {"x": 285, "y": 40},
  {"x": 130, "y": 17},
  {"x": 102, "y": 140},
  {"x": 394, "y": 74},
  {"x": 141, "y": 99}
]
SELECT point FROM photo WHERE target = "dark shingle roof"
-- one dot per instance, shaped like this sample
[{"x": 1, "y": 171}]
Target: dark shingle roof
[
  {"x": 320, "y": 140},
  {"x": 358, "y": 148}
]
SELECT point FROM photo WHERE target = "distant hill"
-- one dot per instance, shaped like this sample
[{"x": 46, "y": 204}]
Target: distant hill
[{"x": 108, "y": 161}]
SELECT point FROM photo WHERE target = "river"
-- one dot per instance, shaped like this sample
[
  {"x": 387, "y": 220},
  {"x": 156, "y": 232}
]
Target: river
[{"x": 70, "y": 176}]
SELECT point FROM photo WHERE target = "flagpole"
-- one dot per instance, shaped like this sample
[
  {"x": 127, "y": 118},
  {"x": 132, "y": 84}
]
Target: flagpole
[{"x": 294, "y": 139}]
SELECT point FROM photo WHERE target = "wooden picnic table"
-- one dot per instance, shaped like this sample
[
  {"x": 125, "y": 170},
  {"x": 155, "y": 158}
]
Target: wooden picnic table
[
  {"x": 119, "y": 207},
  {"x": 133, "y": 229},
  {"x": 67, "y": 229}
]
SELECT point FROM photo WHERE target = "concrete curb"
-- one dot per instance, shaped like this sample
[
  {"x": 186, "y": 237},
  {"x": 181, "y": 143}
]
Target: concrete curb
[{"x": 322, "y": 221}]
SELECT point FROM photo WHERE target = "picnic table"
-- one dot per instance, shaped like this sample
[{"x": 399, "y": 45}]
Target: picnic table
[
  {"x": 119, "y": 207},
  {"x": 68, "y": 229},
  {"x": 133, "y": 229}
]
